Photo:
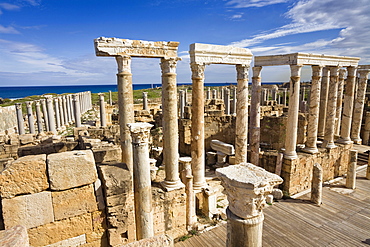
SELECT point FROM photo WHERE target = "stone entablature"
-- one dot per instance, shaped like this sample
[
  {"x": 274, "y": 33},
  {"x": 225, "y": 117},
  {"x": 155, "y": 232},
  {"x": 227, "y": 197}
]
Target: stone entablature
[
  {"x": 135, "y": 48},
  {"x": 219, "y": 54},
  {"x": 305, "y": 59}
]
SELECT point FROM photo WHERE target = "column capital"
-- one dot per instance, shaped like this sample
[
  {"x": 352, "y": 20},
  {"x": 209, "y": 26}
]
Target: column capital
[
  {"x": 295, "y": 70},
  {"x": 101, "y": 95},
  {"x": 75, "y": 97},
  {"x": 334, "y": 70},
  {"x": 145, "y": 94},
  {"x": 124, "y": 64},
  {"x": 140, "y": 132},
  {"x": 49, "y": 98},
  {"x": 168, "y": 65},
  {"x": 37, "y": 102},
  {"x": 29, "y": 104},
  {"x": 197, "y": 70},
  {"x": 18, "y": 106},
  {"x": 317, "y": 70},
  {"x": 246, "y": 187},
  {"x": 242, "y": 71},
  {"x": 342, "y": 73},
  {"x": 363, "y": 73},
  {"x": 257, "y": 71},
  {"x": 351, "y": 71}
]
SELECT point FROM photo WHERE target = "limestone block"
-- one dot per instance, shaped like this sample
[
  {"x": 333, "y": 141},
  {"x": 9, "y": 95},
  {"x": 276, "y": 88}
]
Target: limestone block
[
  {"x": 60, "y": 230},
  {"x": 75, "y": 241},
  {"x": 116, "y": 179},
  {"x": 26, "y": 175},
  {"x": 99, "y": 194},
  {"x": 26, "y": 138},
  {"x": 28, "y": 210},
  {"x": 71, "y": 169},
  {"x": 107, "y": 154},
  {"x": 156, "y": 241},
  {"x": 222, "y": 147},
  {"x": 15, "y": 236},
  {"x": 69, "y": 203},
  {"x": 99, "y": 226}
]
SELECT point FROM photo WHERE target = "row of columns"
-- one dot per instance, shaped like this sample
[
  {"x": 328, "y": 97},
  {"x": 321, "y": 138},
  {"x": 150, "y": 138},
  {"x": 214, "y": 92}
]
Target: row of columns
[{"x": 54, "y": 112}]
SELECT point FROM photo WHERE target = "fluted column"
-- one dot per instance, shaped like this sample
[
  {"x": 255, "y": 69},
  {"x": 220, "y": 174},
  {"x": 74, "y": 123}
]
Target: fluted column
[
  {"x": 20, "y": 120},
  {"x": 45, "y": 113},
  {"x": 103, "y": 117},
  {"x": 57, "y": 114},
  {"x": 313, "y": 117},
  {"x": 125, "y": 107},
  {"x": 345, "y": 129},
  {"x": 241, "y": 130},
  {"x": 38, "y": 116},
  {"x": 323, "y": 101},
  {"x": 197, "y": 126},
  {"x": 338, "y": 115},
  {"x": 77, "y": 110},
  {"x": 51, "y": 114},
  {"x": 170, "y": 124},
  {"x": 292, "y": 121},
  {"x": 31, "y": 119},
  {"x": 331, "y": 109},
  {"x": 255, "y": 115},
  {"x": 359, "y": 105},
  {"x": 142, "y": 184}
]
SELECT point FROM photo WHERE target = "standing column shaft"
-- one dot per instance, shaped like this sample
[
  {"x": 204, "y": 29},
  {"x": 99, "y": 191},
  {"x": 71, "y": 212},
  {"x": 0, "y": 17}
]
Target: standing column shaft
[
  {"x": 214, "y": 94},
  {"x": 338, "y": 115},
  {"x": 125, "y": 107},
  {"x": 227, "y": 101},
  {"x": 31, "y": 120},
  {"x": 316, "y": 186},
  {"x": 50, "y": 109},
  {"x": 351, "y": 171},
  {"x": 45, "y": 113},
  {"x": 331, "y": 109},
  {"x": 255, "y": 115},
  {"x": 323, "y": 101},
  {"x": 292, "y": 121},
  {"x": 142, "y": 183},
  {"x": 241, "y": 130},
  {"x": 38, "y": 116},
  {"x": 182, "y": 103},
  {"x": 61, "y": 114},
  {"x": 313, "y": 117},
  {"x": 20, "y": 121},
  {"x": 365, "y": 136},
  {"x": 103, "y": 118},
  {"x": 359, "y": 105},
  {"x": 208, "y": 93},
  {"x": 57, "y": 114},
  {"x": 170, "y": 124},
  {"x": 284, "y": 96},
  {"x": 197, "y": 126},
  {"x": 65, "y": 112},
  {"x": 348, "y": 106},
  {"x": 233, "y": 108},
  {"x": 71, "y": 104},
  {"x": 110, "y": 98},
  {"x": 77, "y": 110},
  {"x": 145, "y": 101}
]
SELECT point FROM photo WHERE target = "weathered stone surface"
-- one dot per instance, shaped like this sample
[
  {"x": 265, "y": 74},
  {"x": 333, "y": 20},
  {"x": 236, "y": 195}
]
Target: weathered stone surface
[
  {"x": 107, "y": 154},
  {"x": 26, "y": 138},
  {"x": 222, "y": 147},
  {"x": 60, "y": 230},
  {"x": 156, "y": 241},
  {"x": 15, "y": 236},
  {"x": 28, "y": 210},
  {"x": 75, "y": 241},
  {"x": 26, "y": 175},
  {"x": 71, "y": 169},
  {"x": 69, "y": 203},
  {"x": 115, "y": 178},
  {"x": 99, "y": 226}
]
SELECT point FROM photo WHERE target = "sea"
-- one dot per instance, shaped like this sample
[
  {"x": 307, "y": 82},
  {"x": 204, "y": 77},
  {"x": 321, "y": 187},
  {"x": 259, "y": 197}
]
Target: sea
[{"x": 24, "y": 91}]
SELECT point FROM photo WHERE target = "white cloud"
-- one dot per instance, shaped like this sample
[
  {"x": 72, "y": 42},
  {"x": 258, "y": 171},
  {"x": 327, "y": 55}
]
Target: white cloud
[
  {"x": 8, "y": 6},
  {"x": 253, "y": 3},
  {"x": 8, "y": 30}
]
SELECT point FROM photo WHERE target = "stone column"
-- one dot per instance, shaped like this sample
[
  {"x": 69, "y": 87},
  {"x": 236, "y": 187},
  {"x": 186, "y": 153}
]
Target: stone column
[
  {"x": 227, "y": 101},
  {"x": 366, "y": 133},
  {"x": 214, "y": 94},
  {"x": 255, "y": 116},
  {"x": 61, "y": 114},
  {"x": 351, "y": 171},
  {"x": 316, "y": 185},
  {"x": 73, "y": 114},
  {"x": 273, "y": 93},
  {"x": 145, "y": 101},
  {"x": 368, "y": 169},
  {"x": 359, "y": 105},
  {"x": 142, "y": 183},
  {"x": 65, "y": 112},
  {"x": 284, "y": 96},
  {"x": 45, "y": 113},
  {"x": 323, "y": 101},
  {"x": 57, "y": 114},
  {"x": 338, "y": 115},
  {"x": 345, "y": 129},
  {"x": 110, "y": 98},
  {"x": 77, "y": 111},
  {"x": 125, "y": 107},
  {"x": 50, "y": 109},
  {"x": 313, "y": 115},
  {"x": 246, "y": 187},
  {"x": 182, "y": 103},
  {"x": 292, "y": 121},
  {"x": 170, "y": 124},
  {"x": 197, "y": 123},
  {"x": 331, "y": 109},
  {"x": 241, "y": 130},
  {"x": 20, "y": 120},
  {"x": 31, "y": 120},
  {"x": 103, "y": 117},
  {"x": 233, "y": 110},
  {"x": 38, "y": 116},
  {"x": 208, "y": 93}
]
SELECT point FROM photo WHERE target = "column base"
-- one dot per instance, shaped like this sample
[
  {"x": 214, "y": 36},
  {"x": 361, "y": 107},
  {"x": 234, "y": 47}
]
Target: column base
[
  {"x": 357, "y": 140},
  {"x": 172, "y": 185},
  {"x": 330, "y": 145},
  {"x": 197, "y": 187},
  {"x": 344, "y": 141},
  {"x": 291, "y": 155},
  {"x": 310, "y": 150}
]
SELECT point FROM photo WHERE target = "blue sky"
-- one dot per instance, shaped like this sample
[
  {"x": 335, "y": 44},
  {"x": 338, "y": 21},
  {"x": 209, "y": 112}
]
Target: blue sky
[{"x": 50, "y": 42}]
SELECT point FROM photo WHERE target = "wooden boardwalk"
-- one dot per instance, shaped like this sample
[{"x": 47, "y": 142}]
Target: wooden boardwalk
[{"x": 342, "y": 220}]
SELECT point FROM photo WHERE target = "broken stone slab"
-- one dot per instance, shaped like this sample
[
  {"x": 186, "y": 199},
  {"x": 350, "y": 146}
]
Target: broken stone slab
[
  {"x": 222, "y": 147},
  {"x": 26, "y": 138},
  {"x": 156, "y": 241},
  {"x": 25, "y": 210},
  {"x": 15, "y": 236},
  {"x": 26, "y": 175},
  {"x": 71, "y": 169}
]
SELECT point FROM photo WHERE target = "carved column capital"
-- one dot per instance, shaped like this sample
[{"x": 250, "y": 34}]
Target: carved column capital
[
  {"x": 168, "y": 65},
  {"x": 101, "y": 95},
  {"x": 317, "y": 71},
  {"x": 29, "y": 104},
  {"x": 37, "y": 102},
  {"x": 48, "y": 98},
  {"x": 75, "y": 97},
  {"x": 342, "y": 73},
  {"x": 257, "y": 71},
  {"x": 124, "y": 64},
  {"x": 242, "y": 71},
  {"x": 247, "y": 186},
  {"x": 295, "y": 70},
  {"x": 197, "y": 70},
  {"x": 18, "y": 106},
  {"x": 334, "y": 70},
  {"x": 363, "y": 73},
  {"x": 140, "y": 132},
  {"x": 351, "y": 71}
]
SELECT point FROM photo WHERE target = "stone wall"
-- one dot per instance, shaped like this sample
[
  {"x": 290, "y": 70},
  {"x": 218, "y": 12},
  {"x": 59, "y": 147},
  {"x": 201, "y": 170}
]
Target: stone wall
[{"x": 8, "y": 119}]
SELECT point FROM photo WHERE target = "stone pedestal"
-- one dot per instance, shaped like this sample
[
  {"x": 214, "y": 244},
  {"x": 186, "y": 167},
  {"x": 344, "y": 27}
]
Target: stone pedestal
[
  {"x": 145, "y": 101},
  {"x": 142, "y": 183},
  {"x": 125, "y": 107},
  {"x": 31, "y": 120},
  {"x": 246, "y": 187},
  {"x": 255, "y": 116},
  {"x": 323, "y": 101},
  {"x": 20, "y": 121},
  {"x": 103, "y": 117},
  {"x": 316, "y": 185},
  {"x": 38, "y": 116},
  {"x": 170, "y": 125},
  {"x": 77, "y": 110},
  {"x": 351, "y": 171}
]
